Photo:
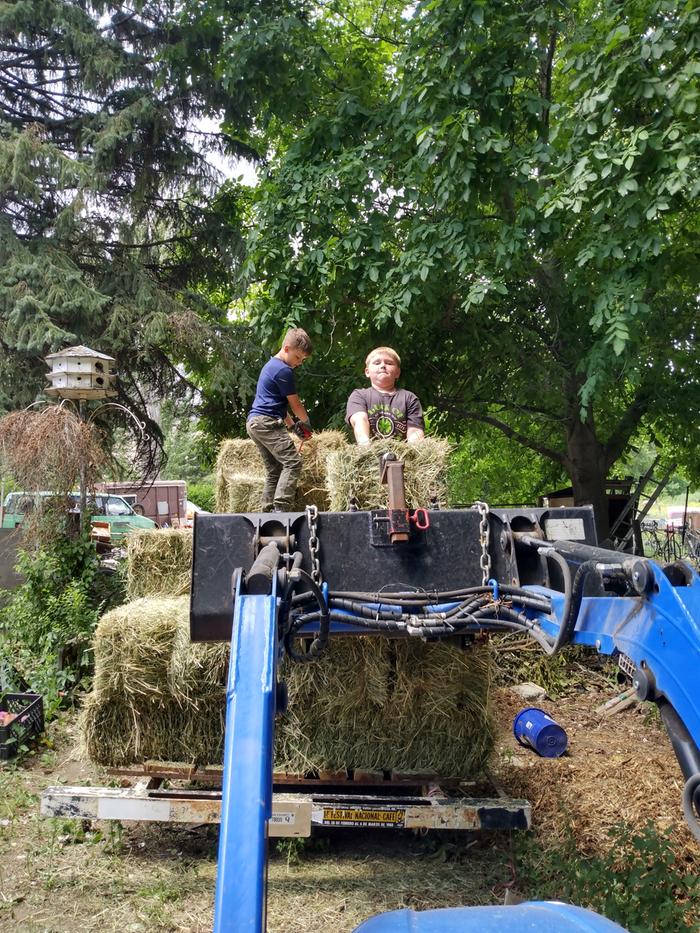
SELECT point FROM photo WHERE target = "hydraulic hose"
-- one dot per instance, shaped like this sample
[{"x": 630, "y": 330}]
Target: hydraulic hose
[
  {"x": 572, "y": 604},
  {"x": 320, "y": 642},
  {"x": 573, "y": 592},
  {"x": 393, "y": 597}
]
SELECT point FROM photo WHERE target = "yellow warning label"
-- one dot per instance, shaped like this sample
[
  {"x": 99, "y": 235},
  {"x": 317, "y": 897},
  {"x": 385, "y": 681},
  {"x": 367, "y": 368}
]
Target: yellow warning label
[{"x": 358, "y": 816}]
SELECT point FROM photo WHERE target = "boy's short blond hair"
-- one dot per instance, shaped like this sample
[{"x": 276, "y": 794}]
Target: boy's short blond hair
[
  {"x": 297, "y": 339},
  {"x": 388, "y": 351}
]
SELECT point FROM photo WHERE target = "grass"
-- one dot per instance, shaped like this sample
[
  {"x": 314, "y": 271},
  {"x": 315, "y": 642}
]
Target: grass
[{"x": 61, "y": 875}]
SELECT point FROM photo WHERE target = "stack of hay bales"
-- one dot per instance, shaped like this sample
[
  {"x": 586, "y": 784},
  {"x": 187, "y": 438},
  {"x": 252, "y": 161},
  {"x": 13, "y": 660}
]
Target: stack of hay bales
[
  {"x": 155, "y": 695},
  {"x": 369, "y": 702},
  {"x": 240, "y": 473},
  {"x": 353, "y": 473}
]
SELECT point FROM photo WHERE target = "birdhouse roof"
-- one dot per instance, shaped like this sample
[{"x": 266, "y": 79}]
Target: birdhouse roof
[{"x": 80, "y": 351}]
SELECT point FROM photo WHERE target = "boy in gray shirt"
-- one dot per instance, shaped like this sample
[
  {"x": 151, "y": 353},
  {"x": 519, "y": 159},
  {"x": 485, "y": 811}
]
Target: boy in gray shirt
[{"x": 383, "y": 410}]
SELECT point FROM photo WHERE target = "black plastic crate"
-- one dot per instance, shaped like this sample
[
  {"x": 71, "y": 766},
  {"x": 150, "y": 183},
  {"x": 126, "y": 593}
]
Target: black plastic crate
[{"x": 28, "y": 709}]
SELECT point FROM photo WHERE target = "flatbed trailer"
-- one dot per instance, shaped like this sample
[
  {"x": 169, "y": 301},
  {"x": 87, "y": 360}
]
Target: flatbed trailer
[{"x": 178, "y": 793}]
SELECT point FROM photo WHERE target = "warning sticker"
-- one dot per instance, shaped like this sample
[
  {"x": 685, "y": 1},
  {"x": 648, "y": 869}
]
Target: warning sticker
[{"x": 360, "y": 816}]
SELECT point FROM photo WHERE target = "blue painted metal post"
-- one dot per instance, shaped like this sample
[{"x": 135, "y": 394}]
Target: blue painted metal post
[{"x": 246, "y": 794}]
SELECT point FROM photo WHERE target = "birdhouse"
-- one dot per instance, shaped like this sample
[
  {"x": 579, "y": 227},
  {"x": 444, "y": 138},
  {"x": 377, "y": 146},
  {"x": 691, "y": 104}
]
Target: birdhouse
[{"x": 81, "y": 373}]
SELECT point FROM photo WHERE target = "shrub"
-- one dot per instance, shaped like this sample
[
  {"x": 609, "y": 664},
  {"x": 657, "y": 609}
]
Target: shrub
[
  {"x": 638, "y": 883},
  {"x": 202, "y": 494},
  {"x": 46, "y": 625}
]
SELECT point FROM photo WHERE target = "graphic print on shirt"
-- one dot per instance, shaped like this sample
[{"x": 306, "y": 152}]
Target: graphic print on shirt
[{"x": 386, "y": 421}]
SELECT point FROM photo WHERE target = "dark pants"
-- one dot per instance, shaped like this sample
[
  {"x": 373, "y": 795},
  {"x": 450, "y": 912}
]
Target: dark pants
[{"x": 281, "y": 459}]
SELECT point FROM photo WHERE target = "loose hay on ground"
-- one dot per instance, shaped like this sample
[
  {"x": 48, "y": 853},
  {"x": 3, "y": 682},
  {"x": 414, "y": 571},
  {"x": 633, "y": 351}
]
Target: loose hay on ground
[
  {"x": 354, "y": 473},
  {"x": 618, "y": 768},
  {"x": 159, "y": 562}
]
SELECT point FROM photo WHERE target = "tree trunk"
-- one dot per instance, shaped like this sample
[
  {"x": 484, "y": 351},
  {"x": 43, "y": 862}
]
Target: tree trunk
[{"x": 587, "y": 467}]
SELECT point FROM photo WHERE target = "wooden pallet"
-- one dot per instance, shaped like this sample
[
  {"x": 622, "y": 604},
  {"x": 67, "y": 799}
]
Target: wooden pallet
[{"x": 211, "y": 775}]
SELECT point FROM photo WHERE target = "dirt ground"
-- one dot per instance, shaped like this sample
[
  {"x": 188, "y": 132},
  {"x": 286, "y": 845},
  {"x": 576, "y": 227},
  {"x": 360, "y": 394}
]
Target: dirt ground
[{"x": 60, "y": 875}]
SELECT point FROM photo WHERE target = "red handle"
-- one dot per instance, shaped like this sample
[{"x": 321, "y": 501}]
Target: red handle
[{"x": 421, "y": 519}]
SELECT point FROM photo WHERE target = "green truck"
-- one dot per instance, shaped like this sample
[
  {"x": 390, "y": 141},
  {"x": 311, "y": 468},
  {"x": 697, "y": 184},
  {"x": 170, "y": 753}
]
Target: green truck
[{"x": 106, "y": 509}]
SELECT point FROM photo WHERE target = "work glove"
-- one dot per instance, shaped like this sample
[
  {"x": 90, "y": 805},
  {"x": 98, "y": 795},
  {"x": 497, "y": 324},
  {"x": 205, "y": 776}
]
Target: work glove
[{"x": 302, "y": 429}]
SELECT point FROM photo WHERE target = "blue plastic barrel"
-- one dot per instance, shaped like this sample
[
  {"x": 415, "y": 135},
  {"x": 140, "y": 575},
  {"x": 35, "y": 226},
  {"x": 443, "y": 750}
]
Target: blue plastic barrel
[
  {"x": 534, "y": 728},
  {"x": 539, "y": 916}
]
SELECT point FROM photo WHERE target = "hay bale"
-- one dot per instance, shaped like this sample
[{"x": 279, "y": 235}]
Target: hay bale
[
  {"x": 155, "y": 695},
  {"x": 388, "y": 704},
  {"x": 240, "y": 473},
  {"x": 236, "y": 456},
  {"x": 198, "y": 670},
  {"x": 133, "y": 645},
  {"x": 244, "y": 491},
  {"x": 159, "y": 562},
  {"x": 117, "y": 734},
  {"x": 312, "y": 489},
  {"x": 370, "y": 703},
  {"x": 354, "y": 472}
]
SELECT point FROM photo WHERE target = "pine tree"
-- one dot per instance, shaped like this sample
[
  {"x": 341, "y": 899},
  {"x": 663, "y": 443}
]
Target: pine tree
[{"x": 108, "y": 205}]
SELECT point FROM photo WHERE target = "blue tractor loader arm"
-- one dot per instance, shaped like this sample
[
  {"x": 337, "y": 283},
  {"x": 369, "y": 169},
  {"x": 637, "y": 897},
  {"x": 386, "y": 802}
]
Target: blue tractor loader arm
[{"x": 300, "y": 578}]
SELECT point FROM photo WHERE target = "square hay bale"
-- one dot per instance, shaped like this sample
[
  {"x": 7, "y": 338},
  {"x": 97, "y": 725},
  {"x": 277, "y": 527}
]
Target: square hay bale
[
  {"x": 312, "y": 489},
  {"x": 159, "y": 562},
  {"x": 386, "y": 704},
  {"x": 237, "y": 457},
  {"x": 245, "y": 491},
  {"x": 354, "y": 472},
  {"x": 240, "y": 473},
  {"x": 133, "y": 645}
]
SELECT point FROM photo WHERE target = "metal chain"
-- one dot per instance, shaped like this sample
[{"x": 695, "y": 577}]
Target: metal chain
[
  {"x": 484, "y": 533},
  {"x": 314, "y": 545}
]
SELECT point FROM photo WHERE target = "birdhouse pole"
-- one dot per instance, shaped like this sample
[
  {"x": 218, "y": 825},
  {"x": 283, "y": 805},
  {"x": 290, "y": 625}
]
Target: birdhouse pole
[{"x": 81, "y": 374}]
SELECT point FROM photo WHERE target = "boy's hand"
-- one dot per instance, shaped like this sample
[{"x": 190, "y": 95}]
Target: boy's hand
[{"x": 302, "y": 429}]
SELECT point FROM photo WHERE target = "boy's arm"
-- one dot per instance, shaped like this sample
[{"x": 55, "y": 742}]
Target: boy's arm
[
  {"x": 296, "y": 406},
  {"x": 414, "y": 420},
  {"x": 360, "y": 426}
]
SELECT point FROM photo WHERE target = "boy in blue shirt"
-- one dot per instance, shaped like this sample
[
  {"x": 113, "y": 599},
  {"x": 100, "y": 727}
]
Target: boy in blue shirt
[{"x": 275, "y": 396}]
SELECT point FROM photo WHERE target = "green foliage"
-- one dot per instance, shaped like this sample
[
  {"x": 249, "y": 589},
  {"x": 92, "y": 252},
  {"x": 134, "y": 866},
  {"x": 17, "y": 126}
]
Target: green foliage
[
  {"x": 519, "y": 660},
  {"x": 203, "y": 495},
  {"x": 507, "y": 193},
  {"x": 111, "y": 232},
  {"x": 639, "y": 882},
  {"x": 46, "y": 625},
  {"x": 184, "y": 444},
  {"x": 488, "y": 466}
]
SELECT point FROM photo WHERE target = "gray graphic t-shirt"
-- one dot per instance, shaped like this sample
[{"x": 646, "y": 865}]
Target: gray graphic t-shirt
[{"x": 390, "y": 414}]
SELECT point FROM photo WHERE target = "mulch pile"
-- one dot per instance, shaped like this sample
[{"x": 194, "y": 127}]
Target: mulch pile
[{"x": 619, "y": 768}]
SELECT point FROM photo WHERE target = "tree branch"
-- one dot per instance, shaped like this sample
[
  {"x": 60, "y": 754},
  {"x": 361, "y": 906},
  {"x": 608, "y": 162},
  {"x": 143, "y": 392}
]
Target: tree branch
[{"x": 510, "y": 432}]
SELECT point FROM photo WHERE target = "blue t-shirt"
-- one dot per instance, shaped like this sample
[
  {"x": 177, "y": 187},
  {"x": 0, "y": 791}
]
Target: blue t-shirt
[{"x": 275, "y": 383}]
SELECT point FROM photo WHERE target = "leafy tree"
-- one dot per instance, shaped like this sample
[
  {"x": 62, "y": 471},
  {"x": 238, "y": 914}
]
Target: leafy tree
[
  {"x": 184, "y": 444},
  {"x": 509, "y": 193}
]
